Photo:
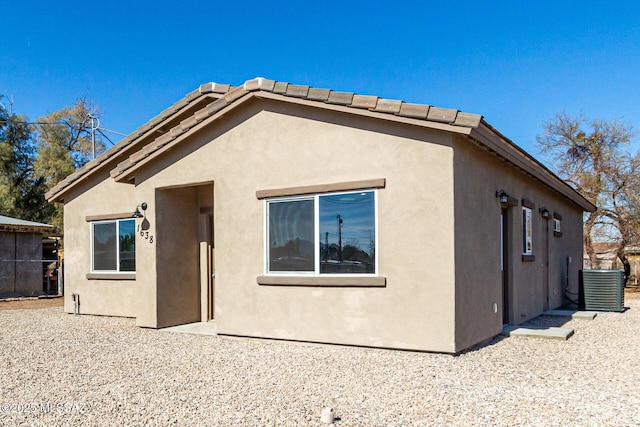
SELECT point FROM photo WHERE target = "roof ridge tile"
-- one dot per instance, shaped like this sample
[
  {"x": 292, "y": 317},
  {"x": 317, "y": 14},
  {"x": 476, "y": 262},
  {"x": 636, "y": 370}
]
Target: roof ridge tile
[
  {"x": 164, "y": 139},
  {"x": 189, "y": 122},
  {"x": 259, "y": 83},
  {"x": 364, "y": 101},
  {"x": 214, "y": 88},
  {"x": 340, "y": 98},
  {"x": 467, "y": 119},
  {"x": 215, "y": 106},
  {"x": 280, "y": 87},
  {"x": 442, "y": 115},
  {"x": 177, "y": 130},
  {"x": 414, "y": 111},
  {"x": 201, "y": 114},
  {"x": 297, "y": 91},
  {"x": 123, "y": 165},
  {"x": 316, "y": 94},
  {"x": 388, "y": 106},
  {"x": 234, "y": 94},
  {"x": 192, "y": 95}
]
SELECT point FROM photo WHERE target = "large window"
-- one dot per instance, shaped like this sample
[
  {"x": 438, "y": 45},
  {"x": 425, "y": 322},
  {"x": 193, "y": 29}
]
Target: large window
[
  {"x": 322, "y": 234},
  {"x": 113, "y": 246}
]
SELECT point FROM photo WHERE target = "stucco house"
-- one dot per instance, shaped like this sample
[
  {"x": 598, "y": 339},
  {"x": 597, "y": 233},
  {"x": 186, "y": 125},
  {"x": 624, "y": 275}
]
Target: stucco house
[
  {"x": 21, "y": 264},
  {"x": 290, "y": 212}
]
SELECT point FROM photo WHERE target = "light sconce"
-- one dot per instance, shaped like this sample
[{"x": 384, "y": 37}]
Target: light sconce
[
  {"x": 137, "y": 213},
  {"x": 503, "y": 197},
  {"x": 544, "y": 212}
]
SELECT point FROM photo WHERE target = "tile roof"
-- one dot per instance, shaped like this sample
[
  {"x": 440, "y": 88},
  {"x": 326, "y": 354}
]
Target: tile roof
[
  {"x": 205, "y": 91},
  {"x": 212, "y": 99},
  {"x": 225, "y": 94}
]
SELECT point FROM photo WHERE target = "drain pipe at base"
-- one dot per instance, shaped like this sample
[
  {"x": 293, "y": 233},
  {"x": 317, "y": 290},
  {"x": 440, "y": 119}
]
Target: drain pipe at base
[
  {"x": 568, "y": 295},
  {"x": 76, "y": 303}
]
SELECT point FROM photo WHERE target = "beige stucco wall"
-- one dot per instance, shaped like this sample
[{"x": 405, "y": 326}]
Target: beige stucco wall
[
  {"x": 178, "y": 287},
  {"x": 478, "y": 175},
  {"x": 440, "y": 289},
  {"x": 101, "y": 196},
  {"x": 253, "y": 150}
]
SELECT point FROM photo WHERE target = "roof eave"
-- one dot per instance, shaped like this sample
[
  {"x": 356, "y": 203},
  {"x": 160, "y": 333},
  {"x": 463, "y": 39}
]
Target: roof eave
[
  {"x": 488, "y": 136},
  {"x": 56, "y": 194},
  {"x": 229, "y": 98},
  {"x": 125, "y": 172}
]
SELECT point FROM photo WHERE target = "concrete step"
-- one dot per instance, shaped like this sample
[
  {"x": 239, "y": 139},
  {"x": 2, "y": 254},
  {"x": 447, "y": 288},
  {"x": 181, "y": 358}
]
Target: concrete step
[
  {"x": 197, "y": 328},
  {"x": 537, "y": 332},
  {"x": 574, "y": 314}
]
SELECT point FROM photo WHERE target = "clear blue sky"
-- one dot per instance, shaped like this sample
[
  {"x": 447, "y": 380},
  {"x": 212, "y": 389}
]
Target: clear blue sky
[{"x": 515, "y": 62}]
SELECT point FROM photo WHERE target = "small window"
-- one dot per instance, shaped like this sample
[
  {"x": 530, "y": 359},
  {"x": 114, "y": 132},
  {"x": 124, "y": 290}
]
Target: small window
[
  {"x": 557, "y": 224},
  {"x": 527, "y": 234},
  {"x": 113, "y": 246},
  {"x": 322, "y": 234}
]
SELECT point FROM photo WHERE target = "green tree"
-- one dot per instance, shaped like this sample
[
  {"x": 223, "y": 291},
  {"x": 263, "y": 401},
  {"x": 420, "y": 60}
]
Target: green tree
[
  {"x": 593, "y": 157},
  {"x": 64, "y": 144},
  {"x": 21, "y": 192}
]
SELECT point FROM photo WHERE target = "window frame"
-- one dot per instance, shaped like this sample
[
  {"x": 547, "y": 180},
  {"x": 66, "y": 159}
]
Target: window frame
[
  {"x": 315, "y": 197},
  {"x": 117, "y": 271},
  {"x": 527, "y": 231},
  {"x": 557, "y": 224}
]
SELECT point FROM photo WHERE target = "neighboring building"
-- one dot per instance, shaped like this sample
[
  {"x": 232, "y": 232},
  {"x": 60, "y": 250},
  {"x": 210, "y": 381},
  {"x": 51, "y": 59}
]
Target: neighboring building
[
  {"x": 608, "y": 259},
  {"x": 605, "y": 254},
  {"x": 21, "y": 265},
  {"x": 290, "y": 212}
]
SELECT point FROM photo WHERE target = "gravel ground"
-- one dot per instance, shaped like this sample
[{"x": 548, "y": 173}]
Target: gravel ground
[
  {"x": 30, "y": 302},
  {"x": 57, "y": 369}
]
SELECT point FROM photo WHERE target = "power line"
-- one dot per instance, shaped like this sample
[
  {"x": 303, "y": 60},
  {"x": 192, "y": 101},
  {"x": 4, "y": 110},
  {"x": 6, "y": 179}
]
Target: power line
[
  {"x": 99, "y": 129},
  {"x": 29, "y": 123},
  {"x": 102, "y": 133},
  {"x": 112, "y": 131}
]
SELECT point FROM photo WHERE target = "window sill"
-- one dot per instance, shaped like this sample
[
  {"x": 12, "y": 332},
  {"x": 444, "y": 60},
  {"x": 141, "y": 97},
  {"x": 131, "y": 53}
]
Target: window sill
[
  {"x": 340, "y": 282},
  {"x": 111, "y": 276},
  {"x": 528, "y": 258},
  {"x": 557, "y": 233}
]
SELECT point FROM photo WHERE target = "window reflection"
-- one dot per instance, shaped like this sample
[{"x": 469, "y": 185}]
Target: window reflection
[
  {"x": 346, "y": 243},
  {"x": 104, "y": 246},
  {"x": 127, "y": 245},
  {"x": 347, "y": 233},
  {"x": 114, "y": 245},
  {"x": 291, "y": 243}
]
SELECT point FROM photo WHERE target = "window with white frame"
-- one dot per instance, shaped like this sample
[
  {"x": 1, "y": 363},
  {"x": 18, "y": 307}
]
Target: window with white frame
[
  {"x": 332, "y": 233},
  {"x": 527, "y": 234},
  {"x": 556, "y": 225},
  {"x": 113, "y": 246}
]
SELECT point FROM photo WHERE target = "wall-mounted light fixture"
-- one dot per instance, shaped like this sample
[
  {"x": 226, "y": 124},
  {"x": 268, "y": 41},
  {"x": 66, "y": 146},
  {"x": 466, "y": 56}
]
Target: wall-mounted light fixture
[
  {"x": 137, "y": 213},
  {"x": 502, "y": 196},
  {"x": 544, "y": 213}
]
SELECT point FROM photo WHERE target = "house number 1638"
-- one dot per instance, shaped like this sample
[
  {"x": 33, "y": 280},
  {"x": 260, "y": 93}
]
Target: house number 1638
[{"x": 145, "y": 234}]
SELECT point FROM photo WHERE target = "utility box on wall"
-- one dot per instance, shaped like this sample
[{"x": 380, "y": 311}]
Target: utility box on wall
[{"x": 601, "y": 290}]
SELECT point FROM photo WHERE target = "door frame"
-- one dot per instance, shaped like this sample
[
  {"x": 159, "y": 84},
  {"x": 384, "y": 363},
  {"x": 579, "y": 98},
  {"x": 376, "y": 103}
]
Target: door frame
[
  {"x": 207, "y": 266},
  {"x": 504, "y": 264}
]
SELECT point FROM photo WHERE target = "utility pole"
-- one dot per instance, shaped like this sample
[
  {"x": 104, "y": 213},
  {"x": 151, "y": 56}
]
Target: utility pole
[
  {"x": 326, "y": 246},
  {"x": 339, "y": 237},
  {"x": 94, "y": 119}
]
